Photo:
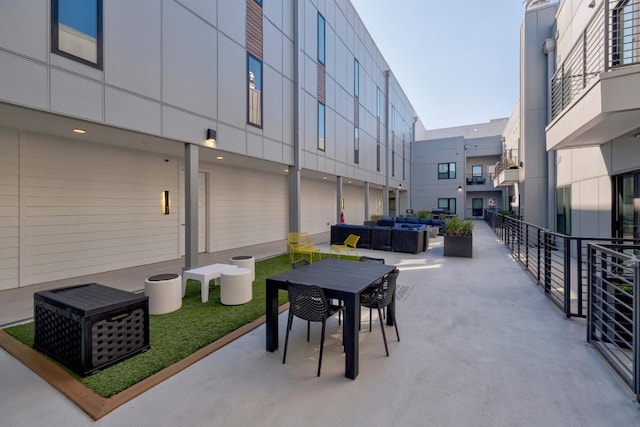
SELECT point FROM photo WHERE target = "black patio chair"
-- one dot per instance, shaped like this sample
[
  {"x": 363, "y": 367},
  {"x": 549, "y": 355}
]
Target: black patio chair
[
  {"x": 301, "y": 263},
  {"x": 380, "y": 298},
  {"x": 375, "y": 284},
  {"x": 309, "y": 303}
]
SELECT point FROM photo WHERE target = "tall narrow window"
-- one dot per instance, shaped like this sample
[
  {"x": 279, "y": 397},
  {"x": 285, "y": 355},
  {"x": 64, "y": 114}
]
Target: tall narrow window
[
  {"x": 356, "y": 78},
  {"x": 321, "y": 39},
  {"x": 254, "y": 90},
  {"x": 393, "y": 154},
  {"x": 378, "y": 103},
  {"x": 76, "y": 30},
  {"x": 356, "y": 145},
  {"x": 259, "y": 2},
  {"x": 563, "y": 214},
  {"x": 378, "y": 156},
  {"x": 321, "y": 124}
]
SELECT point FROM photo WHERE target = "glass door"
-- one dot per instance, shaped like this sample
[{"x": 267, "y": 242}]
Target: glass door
[
  {"x": 625, "y": 211},
  {"x": 476, "y": 206}
]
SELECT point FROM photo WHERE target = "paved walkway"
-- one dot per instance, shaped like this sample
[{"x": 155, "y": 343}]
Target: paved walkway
[{"x": 481, "y": 346}]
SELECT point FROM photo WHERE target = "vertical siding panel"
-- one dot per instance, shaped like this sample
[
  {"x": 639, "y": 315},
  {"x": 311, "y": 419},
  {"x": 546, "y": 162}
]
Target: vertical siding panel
[
  {"x": 317, "y": 205},
  {"x": 9, "y": 209},
  {"x": 247, "y": 207},
  {"x": 94, "y": 208}
]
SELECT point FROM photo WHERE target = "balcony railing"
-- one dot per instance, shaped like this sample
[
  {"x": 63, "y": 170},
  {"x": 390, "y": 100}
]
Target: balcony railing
[
  {"x": 590, "y": 277},
  {"x": 612, "y": 324},
  {"x": 610, "y": 40},
  {"x": 508, "y": 160}
]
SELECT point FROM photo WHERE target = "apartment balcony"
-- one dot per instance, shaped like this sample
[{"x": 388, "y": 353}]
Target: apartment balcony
[
  {"x": 595, "y": 92},
  {"x": 507, "y": 172},
  {"x": 507, "y": 177},
  {"x": 475, "y": 183}
]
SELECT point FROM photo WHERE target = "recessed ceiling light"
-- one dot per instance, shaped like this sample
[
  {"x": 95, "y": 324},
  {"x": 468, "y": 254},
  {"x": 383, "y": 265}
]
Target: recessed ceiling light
[
  {"x": 324, "y": 177},
  {"x": 219, "y": 157},
  {"x": 286, "y": 170},
  {"x": 80, "y": 131}
]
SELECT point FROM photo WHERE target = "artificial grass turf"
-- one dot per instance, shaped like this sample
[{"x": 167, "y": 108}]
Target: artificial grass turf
[{"x": 174, "y": 336}]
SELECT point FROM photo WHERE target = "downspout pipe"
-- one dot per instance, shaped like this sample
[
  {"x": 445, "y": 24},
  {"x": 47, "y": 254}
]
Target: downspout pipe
[
  {"x": 294, "y": 170},
  {"x": 385, "y": 193},
  {"x": 550, "y": 51}
]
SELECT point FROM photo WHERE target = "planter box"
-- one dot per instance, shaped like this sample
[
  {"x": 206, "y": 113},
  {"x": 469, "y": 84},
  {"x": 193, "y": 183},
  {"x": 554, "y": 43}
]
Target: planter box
[{"x": 460, "y": 246}]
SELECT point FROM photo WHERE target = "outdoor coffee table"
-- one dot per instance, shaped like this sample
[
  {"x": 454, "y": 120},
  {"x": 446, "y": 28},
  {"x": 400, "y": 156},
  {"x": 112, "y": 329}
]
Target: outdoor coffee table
[
  {"x": 341, "y": 279},
  {"x": 204, "y": 275}
]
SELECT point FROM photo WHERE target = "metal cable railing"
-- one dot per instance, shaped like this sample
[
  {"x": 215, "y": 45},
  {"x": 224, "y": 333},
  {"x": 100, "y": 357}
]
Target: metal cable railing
[
  {"x": 583, "y": 276},
  {"x": 610, "y": 40},
  {"x": 612, "y": 324}
]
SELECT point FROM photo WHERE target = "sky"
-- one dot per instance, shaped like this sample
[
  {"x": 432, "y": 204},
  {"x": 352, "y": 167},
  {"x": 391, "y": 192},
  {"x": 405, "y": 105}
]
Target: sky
[{"x": 456, "y": 60}]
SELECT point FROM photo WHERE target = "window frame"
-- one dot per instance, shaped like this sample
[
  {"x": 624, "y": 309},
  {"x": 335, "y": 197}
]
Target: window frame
[
  {"x": 448, "y": 171},
  {"x": 448, "y": 203},
  {"x": 55, "y": 38},
  {"x": 356, "y": 145},
  {"x": 261, "y": 111},
  {"x": 322, "y": 41},
  {"x": 356, "y": 78},
  {"x": 322, "y": 143}
]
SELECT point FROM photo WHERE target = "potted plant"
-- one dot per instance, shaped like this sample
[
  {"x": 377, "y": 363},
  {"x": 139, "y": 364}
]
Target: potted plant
[{"x": 458, "y": 238}]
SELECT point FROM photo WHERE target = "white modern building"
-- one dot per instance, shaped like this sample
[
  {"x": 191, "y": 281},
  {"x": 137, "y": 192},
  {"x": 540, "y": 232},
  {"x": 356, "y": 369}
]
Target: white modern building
[
  {"x": 571, "y": 152},
  {"x": 454, "y": 169},
  {"x": 139, "y": 132}
]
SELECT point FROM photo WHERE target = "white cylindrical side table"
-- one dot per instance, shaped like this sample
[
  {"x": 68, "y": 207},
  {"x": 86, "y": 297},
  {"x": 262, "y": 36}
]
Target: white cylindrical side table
[
  {"x": 246, "y": 261},
  {"x": 235, "y": 286},
  {"x": 164, "y": 292}
]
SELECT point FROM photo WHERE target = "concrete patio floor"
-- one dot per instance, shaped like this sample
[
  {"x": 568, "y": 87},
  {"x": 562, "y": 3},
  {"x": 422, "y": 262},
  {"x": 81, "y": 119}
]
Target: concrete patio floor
[{"x": 480, "y": 346}]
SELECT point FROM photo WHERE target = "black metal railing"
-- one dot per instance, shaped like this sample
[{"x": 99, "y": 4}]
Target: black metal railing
[
  {"x": 588, "y": 277},
  {"x": 609, "y": 41},
  {"x": 556, "y": 261},
  {"x": 613, "y": 324}
]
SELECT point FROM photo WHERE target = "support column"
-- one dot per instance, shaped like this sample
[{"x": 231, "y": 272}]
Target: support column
[
  {"x": 191, "y": 206},
  {"x": 366, "y": 201},
  {"x": 294, "y": 199},
  {"x": 338, "y": 199}
]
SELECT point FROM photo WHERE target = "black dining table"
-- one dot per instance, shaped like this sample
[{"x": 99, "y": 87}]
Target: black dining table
[{"x": 341, "y": 279}]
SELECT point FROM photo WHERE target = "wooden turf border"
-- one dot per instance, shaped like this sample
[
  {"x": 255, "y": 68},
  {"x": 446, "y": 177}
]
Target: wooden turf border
[{"x": 92, "y": 403}]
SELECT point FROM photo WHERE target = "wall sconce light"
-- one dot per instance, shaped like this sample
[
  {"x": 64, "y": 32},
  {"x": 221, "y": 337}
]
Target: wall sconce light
[
  {"x": 343, "y": 203},
  {"x": 459, "y": 187},
  {"x": 165, "y": 202},
  {"x": 211, "y": 135},
  {"x": 592, "y": 4}
]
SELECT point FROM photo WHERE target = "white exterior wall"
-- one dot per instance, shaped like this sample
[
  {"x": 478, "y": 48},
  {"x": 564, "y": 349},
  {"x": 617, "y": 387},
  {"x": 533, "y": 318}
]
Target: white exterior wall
[
  {"x": 247, "y": 207},
  {"x": 169, "y": 71},
  {"x": 317, "y": 205},
  {"x": 346, "y": 39},
  {"x": 172, "y": 69},
  {"x": 9, "y": 208},
  {"x": 87, "y": 208},
  {"x": 534, "y": 80}
]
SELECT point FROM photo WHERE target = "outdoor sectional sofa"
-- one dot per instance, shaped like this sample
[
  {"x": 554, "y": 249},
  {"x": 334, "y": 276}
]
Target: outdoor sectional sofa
[{"x": 397, "y": 239}]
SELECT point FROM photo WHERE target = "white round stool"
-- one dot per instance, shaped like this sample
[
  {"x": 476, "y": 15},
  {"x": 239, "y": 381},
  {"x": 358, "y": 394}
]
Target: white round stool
[
  {"x": 235, "y": 286},
  {"x": 246, "y": 261},
  {"x": 164, "y": 292}
]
